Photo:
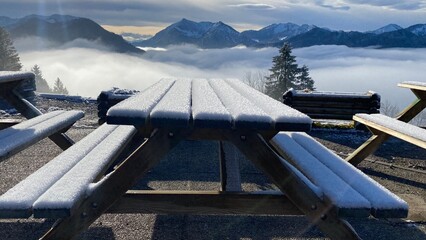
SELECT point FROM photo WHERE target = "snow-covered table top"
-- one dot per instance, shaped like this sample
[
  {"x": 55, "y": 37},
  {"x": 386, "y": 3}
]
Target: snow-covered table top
[
  {"x": 10, "y": 76},
  {"x": 202, "y": 103}
]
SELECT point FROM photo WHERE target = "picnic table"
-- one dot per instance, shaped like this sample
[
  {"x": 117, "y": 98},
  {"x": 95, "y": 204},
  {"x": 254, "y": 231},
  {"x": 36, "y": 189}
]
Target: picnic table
[
  {"x": 382, "y": 127},
  {"x": 90, "y": 180}
]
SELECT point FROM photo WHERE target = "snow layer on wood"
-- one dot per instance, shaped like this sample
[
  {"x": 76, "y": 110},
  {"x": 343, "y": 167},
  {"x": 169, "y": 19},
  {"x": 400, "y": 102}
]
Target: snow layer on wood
[
  {"x": 396, "y": 125},
  {"x": 72, "y": 186},
  {"x": 379, "y": 197},
  {"x": 279, "y": 112},
  {"x": 414, "y": 85},
  {"x": 176, "y": 104},
  {"x": 10, "y": 76},
  {"x": 331, "y": 93},
  {"x": 422, "y": 84},
  {"x": 18, "y": 137},
  {"x": 140, "y": 105},
  {"x": 27, "y": 124},
  {"x": 241, "y": 108},
  {"x": 206, "y": 105},
  {"x": 311, "y": 185},
  {"x": 24, "y": 194},
  {"x": 339, "y": 192}
]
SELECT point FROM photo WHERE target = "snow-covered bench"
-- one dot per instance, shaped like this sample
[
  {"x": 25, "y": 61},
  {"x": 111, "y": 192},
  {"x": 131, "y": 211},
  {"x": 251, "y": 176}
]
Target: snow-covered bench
[
  {"x": 394, "y": 127},
  {"x": 353, "y": 193},
  {"x": 24, "y": 134},
  {"x": 57, "y": 188}
]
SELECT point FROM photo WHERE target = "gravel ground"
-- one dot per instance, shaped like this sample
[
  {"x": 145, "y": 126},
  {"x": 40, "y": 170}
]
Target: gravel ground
[{"x": 194, "y": 166}]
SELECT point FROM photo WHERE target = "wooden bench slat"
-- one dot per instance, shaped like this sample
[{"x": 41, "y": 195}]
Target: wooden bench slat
[
  {"x": 283, "y": 116},
  {"x": 136, "y": 108},
  {"x": 20, "y": 136},
  {"x": 174, "y": 109},
  {"x": 341, "y": 194},
  {"x": 384, "y": 203},
  {"x": 17, "y": 202},
  {"x": 207, "y": 109},
  {"x": 394, "y": 127},
  {"x": 65, "y": 195}
]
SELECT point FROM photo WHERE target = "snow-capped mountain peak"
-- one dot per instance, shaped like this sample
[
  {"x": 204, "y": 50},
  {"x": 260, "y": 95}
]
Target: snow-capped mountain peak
[
  {"x": 387, "y": 28},
  {"x": 418, "y": 29}
]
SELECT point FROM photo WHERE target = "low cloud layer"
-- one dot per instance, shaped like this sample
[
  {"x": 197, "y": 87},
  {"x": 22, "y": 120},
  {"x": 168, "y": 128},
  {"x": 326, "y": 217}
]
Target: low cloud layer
[{"x": 334, "y": 68}]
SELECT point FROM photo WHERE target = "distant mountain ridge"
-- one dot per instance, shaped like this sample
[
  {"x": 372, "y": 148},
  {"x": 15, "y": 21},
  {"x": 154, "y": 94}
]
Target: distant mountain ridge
[
  {"x": 62, "y": 29},
  {"x": 220, "y": 35},
  {"x": 202, "y": 34}
]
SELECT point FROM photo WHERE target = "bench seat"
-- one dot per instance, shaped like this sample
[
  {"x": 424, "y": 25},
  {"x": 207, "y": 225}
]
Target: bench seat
[
  {"x": 24, "y": 134},
  {"x": 350, "y": 190},
  {"x": 394, "y": 127},
  {"x": 55, "y": 189}
]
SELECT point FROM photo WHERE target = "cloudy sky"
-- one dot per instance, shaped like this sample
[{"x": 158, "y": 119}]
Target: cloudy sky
[{"x": 151, "y": 15}]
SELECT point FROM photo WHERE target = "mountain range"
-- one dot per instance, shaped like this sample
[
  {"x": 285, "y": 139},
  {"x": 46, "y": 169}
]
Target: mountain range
[
  {"x": 221, "y": 35},
  {"x": 62, "y": 29}
]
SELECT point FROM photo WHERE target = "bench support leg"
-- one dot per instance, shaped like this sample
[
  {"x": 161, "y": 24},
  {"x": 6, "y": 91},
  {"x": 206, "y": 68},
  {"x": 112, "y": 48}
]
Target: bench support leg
[
  {"x": 114, "y": 185},
  {"x": 319, "y": 212},
  {"x": 370, "y": 146}
]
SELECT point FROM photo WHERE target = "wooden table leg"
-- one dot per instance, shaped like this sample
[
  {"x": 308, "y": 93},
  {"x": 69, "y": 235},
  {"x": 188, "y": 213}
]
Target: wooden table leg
[
  {"x": 230, "y": 179},
  {"x": 318, "y": 211},
  {"x": 107, "y": 191}
]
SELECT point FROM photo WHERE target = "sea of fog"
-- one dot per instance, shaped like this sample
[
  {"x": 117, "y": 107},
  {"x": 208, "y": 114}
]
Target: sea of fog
[{"x": 87, "y": 71}]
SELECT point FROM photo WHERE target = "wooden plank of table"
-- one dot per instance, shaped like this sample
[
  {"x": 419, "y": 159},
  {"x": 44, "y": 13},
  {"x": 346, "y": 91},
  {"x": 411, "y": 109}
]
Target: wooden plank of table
[
  {"x": 204, "y": 202},
  {"x": 174, "y": 109},
  {"x": 207, "y": 109},
  {"x": 284, "y": 118},
  {"x": 136, "y": 109}
]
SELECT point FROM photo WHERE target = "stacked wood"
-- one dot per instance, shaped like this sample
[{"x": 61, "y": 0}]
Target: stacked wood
[
  {"x": 332, "y": 105},
  {"x": 109, "y": 98}
]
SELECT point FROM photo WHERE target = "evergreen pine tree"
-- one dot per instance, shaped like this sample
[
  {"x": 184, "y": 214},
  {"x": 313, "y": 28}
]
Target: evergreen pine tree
[
  {"x": 41, "y": 83},
  {"x": 59, "y": 87},
  {"x": 286, "y": 74},
  {"x": 9, "y": 61},
  {"x": 304, "y": 80},
  {"x": 9, "y": 58}
]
